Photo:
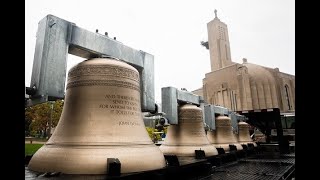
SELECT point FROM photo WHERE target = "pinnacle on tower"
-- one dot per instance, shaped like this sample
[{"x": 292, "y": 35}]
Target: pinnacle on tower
[{"x": 215, "y": 13}]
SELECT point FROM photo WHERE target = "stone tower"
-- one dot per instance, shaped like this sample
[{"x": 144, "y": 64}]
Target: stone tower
[{"x": 219, "y": 46}]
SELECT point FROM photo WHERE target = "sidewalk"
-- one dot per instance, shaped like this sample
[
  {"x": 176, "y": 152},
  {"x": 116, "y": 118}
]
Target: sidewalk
[
  {"x": 28, "y": 140},
  {"x": 34, "y": 142}
]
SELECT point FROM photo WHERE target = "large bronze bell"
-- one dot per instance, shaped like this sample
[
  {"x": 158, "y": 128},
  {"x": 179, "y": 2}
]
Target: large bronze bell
[
  {"x": 244, "y": 134},
  {"x": 101, "y": 119},
  {"x": 188, "y": 135},
  {"x": 223, "y": 135}
]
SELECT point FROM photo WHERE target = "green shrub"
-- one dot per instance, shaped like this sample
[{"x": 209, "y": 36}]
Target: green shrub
[{"x": 152, "y": 136}]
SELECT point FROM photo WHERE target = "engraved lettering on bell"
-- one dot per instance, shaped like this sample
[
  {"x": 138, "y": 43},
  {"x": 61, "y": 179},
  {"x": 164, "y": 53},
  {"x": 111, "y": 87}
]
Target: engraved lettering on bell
[{"x": 99, "y": 70}]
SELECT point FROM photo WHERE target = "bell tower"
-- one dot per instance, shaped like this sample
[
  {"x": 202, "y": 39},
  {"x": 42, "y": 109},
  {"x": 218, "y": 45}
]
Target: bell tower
[{"x": 218, "y": 42}]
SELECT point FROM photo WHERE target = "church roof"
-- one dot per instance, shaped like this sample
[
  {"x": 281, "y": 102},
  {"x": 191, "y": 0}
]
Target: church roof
[{"x": 259, "y": 73}]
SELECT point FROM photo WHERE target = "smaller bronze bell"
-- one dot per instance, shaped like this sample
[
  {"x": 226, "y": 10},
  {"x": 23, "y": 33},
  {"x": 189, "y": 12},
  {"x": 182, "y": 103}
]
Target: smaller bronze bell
[
  {"x": 223, "y": 135},
  {"x": 244, "y": 135},
  {"x": 188, "y": 135}
]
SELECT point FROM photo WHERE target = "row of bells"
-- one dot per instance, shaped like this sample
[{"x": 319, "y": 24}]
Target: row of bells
[
  {"x": 189, "y": 134},
  {"x": 102, "y": 118}
]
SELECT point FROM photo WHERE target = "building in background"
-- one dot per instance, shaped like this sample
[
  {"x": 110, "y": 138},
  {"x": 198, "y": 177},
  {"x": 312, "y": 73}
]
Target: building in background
[{"x": 245, "y": 86}]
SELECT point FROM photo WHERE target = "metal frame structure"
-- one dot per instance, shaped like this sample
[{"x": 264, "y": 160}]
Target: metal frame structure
[
  {"x": 171, "y": 98},
  {"x": 210, "y": 112},
  {"x": 57, "y": 37}
]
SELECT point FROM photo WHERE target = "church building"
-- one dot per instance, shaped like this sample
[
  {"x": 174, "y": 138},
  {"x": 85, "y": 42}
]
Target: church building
[{"x": 242, "y": 86}]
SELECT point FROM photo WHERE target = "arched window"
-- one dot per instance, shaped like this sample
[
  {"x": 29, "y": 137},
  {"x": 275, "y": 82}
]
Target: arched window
[{"x": 287, "y": 96}]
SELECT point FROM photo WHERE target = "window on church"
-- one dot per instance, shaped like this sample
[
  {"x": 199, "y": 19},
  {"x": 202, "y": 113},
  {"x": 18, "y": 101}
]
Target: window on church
[
  {"x": 231, "y": 100},
  {"x": 235, "y": 101},
  {"x": 222, "y": 34},
  {"x": 287, "y": 96},
  {"x": 226, "y": 52}
]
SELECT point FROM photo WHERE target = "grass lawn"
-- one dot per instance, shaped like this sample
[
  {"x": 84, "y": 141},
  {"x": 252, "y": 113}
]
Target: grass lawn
[{"x": 30, "y": 149}]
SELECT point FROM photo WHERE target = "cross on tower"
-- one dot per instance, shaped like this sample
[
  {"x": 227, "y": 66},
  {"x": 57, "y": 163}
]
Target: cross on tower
[{"x": 215, "y": 12}]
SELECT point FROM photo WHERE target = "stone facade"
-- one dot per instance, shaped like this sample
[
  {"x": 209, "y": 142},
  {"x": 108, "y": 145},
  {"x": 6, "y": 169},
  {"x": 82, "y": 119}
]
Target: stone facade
[{"x": 243, "y": 86}]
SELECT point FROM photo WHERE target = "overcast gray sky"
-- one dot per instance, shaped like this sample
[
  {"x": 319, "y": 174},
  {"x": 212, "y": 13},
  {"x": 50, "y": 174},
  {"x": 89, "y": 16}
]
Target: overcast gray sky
[{"x": 262, "y": 31}]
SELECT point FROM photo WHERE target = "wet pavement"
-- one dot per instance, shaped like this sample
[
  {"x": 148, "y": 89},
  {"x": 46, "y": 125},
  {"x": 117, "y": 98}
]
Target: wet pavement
[{"x": 254, "y": 167}]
